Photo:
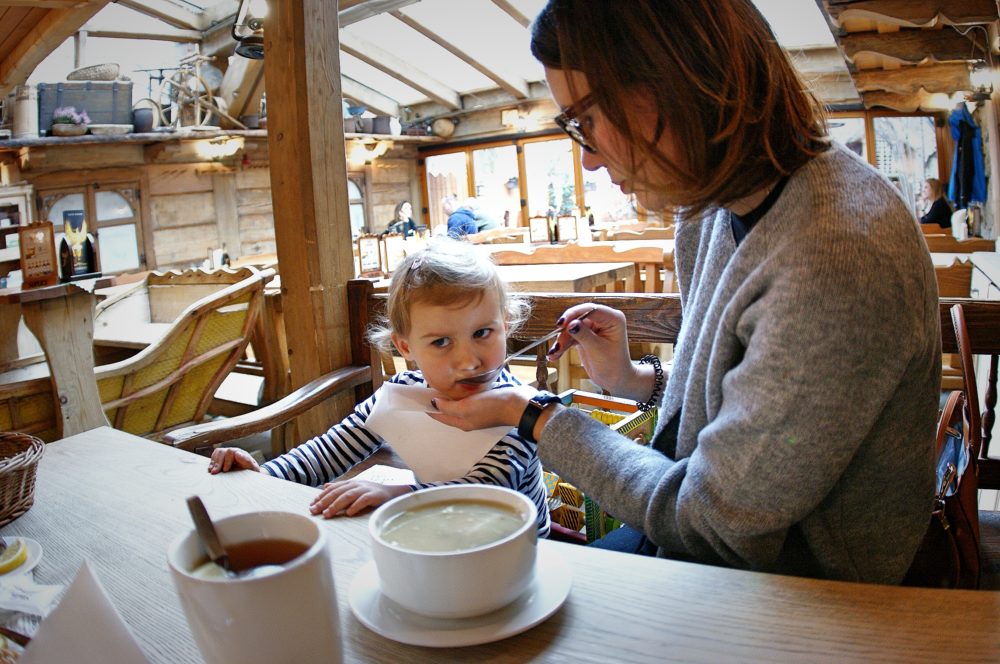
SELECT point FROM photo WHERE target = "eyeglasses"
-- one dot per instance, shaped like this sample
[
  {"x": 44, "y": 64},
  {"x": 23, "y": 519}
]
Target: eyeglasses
[{"x": 569, "y": 123}]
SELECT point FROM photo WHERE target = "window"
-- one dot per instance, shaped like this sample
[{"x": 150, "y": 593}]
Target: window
[
  {"x": 851, "y": 133},
  {"x": 113, "y": 217},
  {"x": 447, "y": 174},
  {"x": 497, "y": 188},
  {"x": 906, "y": 151},
  {"x": 549, "y": 170},
  {"x": 356, "y": 203}
]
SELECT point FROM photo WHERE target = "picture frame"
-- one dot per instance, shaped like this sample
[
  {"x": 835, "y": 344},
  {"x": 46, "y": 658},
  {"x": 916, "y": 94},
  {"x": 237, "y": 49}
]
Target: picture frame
[
  {"x": 370, "y": 256},
  {"x": 567, "y": 228},
  {"x": 39, "y": 262},
  {"x": 538, "y": 229},
  {"x": 393, "y": 251}
]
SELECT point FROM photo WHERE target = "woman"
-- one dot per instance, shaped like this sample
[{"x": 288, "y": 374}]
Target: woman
[
  {"x": 937, "y": 209},
  {"x": 402, "y": 220},
  {"x": 796, "y": 427}
]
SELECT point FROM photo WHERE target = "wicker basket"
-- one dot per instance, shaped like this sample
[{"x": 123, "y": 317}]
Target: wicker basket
[{"x": 17, "y": 475}]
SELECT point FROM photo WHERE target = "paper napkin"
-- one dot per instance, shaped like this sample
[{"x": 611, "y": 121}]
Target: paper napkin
[
  {"x": 85, "y": 627},
  {"x": 435, "y": 452}
]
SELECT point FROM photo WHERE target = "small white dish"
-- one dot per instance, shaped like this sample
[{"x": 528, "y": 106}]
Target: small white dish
[
  {"x": 34, "y": 555},
  {"x": 546, "y": 593}
]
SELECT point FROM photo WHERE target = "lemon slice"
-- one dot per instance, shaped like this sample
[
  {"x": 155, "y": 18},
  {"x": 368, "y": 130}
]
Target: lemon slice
[{"x": 13, "y": 556}]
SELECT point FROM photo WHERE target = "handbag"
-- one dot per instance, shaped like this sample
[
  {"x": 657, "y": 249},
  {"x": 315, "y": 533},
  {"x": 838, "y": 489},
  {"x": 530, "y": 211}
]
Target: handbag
[{"x": 948, "y": 556}]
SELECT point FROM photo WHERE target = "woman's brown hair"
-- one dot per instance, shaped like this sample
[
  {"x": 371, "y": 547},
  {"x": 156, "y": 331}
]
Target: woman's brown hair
[{"x": 736, "y": 110}]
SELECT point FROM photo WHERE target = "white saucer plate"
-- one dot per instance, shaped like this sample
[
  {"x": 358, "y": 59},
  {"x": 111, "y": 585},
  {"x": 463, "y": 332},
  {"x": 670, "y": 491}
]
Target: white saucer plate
[
  {"x": 380, "y": 614},
  {"x": 34, "y": 555}
]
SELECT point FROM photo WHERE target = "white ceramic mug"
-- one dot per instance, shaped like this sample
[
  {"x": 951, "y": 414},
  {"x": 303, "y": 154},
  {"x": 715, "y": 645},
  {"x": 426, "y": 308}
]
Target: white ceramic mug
[
  {"x": 290, "y": 616},
  {"x": 457, "y": 584}
]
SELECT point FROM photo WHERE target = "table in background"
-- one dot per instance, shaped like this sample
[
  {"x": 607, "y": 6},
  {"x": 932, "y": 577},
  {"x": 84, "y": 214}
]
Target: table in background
[
  {"x": 117, "y": 501},
  {"x": 62, "y": 319}
]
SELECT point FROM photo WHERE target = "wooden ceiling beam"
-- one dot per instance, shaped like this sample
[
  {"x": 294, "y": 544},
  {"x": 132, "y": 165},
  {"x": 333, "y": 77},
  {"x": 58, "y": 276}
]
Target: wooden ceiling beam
[
  {"x": 916, "y": 46},
  {"x": 242, "y": 86},
  {"x": 513, "y": 12},
  {"x": 167, "y": 12},
  {"x": 399, "y": 69},
  {"x": 352, "y": 12},
  {"x": 374, "y": 100},
  {"x": 947, "y": 78},
  {"x": 510, "y": 82},
  {"x": 166, "y": 33},
  {"x": 57, "y": 26},
  {"x": 913, "y": 13},
  {"x": 921, "y": 100},
  {"x": 44, "y": 4}
]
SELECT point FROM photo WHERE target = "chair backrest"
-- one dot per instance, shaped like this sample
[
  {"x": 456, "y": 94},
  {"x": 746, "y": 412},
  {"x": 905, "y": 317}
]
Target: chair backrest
[
  {"x": 651, "y": 233},
  {"x": 172, "y": 381},
  {"x": 954, "y": 280},
  {"x": 649, "y": 261},
  {"x": 948, "y": 244}
]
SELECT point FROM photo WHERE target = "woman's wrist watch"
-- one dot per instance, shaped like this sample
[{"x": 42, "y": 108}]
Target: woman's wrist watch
[{"x": 536, "y": 406}]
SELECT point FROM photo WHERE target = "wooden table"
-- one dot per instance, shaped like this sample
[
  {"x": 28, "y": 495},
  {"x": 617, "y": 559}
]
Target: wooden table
[
  {"x": 117, "y": 501},
  {"x": 62, "y": 318}
]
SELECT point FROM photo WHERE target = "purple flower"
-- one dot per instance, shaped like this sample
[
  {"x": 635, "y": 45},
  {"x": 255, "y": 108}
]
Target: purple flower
[{"x": 69, "y": 115}]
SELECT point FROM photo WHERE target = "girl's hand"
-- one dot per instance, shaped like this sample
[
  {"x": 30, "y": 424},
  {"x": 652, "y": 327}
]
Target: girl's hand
[
  {"x": 225, "y": 459},
  {"x": 602, "y": 340},
  {"x": 349, "y": 497}
]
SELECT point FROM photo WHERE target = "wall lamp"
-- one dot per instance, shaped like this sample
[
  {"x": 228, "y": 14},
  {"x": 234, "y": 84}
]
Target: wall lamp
[
  {"x": 361, "y": 151},
  {"x": 217, "y": 149},
  {"x": 248, "y": 29}
]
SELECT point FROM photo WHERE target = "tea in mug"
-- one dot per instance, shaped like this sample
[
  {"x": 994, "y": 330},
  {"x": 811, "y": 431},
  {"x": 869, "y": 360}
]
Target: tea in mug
[{"x": 252, "y": 553}]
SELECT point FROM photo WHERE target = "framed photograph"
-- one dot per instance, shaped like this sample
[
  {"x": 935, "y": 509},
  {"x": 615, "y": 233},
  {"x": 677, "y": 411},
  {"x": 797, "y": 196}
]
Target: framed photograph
[
  {"x": 567, "y": 228},
  {"x": 39, "y": 263},
  {"x": 393, "y": 251},
  {"x": 538, "y": 229},
  {"x": 370, "y": 256}
]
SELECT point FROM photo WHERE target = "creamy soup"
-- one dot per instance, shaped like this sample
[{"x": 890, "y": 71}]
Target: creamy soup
[{"x": 452, "y": 526}]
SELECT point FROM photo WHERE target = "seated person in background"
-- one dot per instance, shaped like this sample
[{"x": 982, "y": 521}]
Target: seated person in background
[
  {"x": 448, "y": 311},
  {"x": 936, "y": 207},
  {"x": 402, "y": 220},
  {"x": 461, "y": 219}
]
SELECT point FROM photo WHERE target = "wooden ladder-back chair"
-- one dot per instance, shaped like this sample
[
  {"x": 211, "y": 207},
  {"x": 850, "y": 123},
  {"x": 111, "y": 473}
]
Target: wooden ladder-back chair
[
  {"x": 649, "y": 261},
  {"x": 651, "y": 233},
  {"x": 937, "y": 244},
  {"x": 954, "y": 280},
  {"x": 975, "y": 332}
]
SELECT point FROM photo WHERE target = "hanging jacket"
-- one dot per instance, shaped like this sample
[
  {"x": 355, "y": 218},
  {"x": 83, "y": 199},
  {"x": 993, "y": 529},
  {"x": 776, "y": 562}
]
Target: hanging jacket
[{"x": 968, "y": 181}]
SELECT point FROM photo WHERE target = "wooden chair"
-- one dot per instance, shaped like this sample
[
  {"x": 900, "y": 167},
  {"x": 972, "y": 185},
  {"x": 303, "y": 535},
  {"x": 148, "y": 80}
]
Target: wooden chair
[
  {"x": 649, "y": 261},
  {"x": 934, "y": 229},
  {"x": 976, "y": 332},
  {"x": 948, "y": 244},
  {"x": 954, "y": 280},
  {"x": 170, "y": 382}
]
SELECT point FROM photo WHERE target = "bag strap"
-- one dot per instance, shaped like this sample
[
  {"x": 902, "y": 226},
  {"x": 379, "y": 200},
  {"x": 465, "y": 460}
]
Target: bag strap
[
  {"x": 951, "y": 415},
  {"x": 975, "y": 433}
]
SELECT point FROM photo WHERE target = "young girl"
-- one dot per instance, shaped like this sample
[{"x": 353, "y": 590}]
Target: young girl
[{"x": 448, "y": 312}]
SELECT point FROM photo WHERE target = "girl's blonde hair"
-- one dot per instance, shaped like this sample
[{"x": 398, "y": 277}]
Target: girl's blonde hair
[{"x": 446, "y": 271}]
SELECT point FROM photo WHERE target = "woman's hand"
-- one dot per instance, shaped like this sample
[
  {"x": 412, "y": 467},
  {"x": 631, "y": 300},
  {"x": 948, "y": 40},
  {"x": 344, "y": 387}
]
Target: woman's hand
[
  {"x": 491, "y": 408},
  {"x": 602, "y": 340},
  {"x": 225, "y": 459},
  {"x": 349, "y": 497}
]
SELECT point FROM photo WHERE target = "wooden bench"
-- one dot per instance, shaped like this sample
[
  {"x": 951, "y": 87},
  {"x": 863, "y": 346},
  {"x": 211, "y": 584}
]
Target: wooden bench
[
  {"x": 649, "y": 261},
  {"x": 948, "y": 244}
]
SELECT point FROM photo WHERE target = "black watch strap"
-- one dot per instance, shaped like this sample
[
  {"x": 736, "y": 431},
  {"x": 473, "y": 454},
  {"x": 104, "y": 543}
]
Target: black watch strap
[{"x": 536, "y": 406}]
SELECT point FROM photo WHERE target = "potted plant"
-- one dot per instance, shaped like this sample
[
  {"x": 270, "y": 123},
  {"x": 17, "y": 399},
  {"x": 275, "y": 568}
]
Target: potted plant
[{"x": 67, "y": 121}]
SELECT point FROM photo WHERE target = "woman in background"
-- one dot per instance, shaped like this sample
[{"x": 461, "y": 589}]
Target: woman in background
[
  {"x": 402, "y": 220},
  {"x": 936, "y": 207}
]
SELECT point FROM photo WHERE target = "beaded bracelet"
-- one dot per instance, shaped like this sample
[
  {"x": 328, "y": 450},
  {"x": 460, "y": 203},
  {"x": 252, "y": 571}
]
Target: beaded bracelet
[{"x": 657, "y": 382}]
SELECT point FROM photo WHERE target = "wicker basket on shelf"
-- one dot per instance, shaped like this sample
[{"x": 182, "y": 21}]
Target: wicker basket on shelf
[{"x": 19, "y": 455}]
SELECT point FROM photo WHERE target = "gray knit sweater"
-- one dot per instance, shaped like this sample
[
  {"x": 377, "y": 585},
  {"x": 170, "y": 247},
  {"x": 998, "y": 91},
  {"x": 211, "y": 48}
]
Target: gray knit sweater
[{"x": 808, "y": 366}]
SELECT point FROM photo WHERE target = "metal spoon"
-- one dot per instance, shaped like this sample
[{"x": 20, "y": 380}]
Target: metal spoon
[
  {"x": 213, "y": 545},
  {"x": 489, "y": 376}
]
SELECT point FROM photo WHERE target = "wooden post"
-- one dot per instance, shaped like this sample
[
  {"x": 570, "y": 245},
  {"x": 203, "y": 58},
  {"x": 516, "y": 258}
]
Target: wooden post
[
  {"x": 309, "y": 192},
  {"x": 991, "y": 134}
]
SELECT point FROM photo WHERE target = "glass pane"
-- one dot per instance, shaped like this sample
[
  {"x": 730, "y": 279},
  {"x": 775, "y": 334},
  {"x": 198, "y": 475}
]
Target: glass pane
[
  {"x": 605, "y": 199},
  {"x": 906, "y": 152},
  {"x": 548, "y": 167},
  {"x": 112, "y": 205},
  {"x": 497, "y": 190},
  {"x": 69, "y": 202},
  {"x": 357, "y": 219},
  {"x": 850, "y": 132},
  {"x": 118, "y": 249},
  {"x": 353, "y": 191},
  {"x": 446, "y": 175}
]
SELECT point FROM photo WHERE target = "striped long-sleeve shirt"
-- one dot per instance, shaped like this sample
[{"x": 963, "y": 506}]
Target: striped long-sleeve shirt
[{"x": 512, "y": 462}]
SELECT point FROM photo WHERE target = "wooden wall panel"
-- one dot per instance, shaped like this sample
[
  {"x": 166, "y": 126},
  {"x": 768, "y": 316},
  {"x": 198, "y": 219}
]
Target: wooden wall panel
[
  {"x": 177, "y": 179},
  {"x": 185, "y": 246},
  {"x": 181, "y": 210}
]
